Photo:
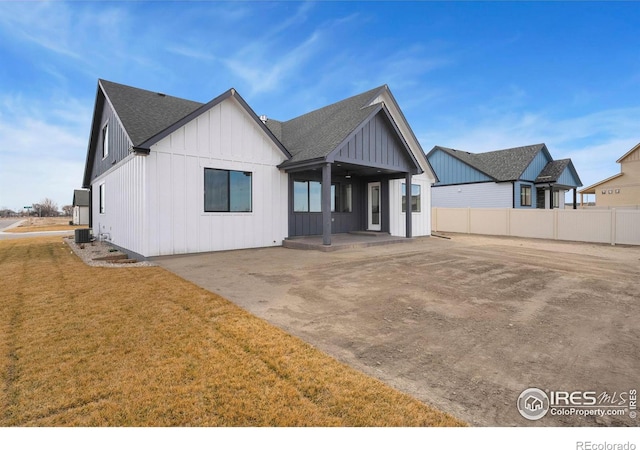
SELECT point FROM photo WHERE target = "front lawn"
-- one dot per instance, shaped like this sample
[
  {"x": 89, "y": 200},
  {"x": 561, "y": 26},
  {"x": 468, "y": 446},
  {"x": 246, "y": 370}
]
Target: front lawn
[{"x": 139, "y": 346}]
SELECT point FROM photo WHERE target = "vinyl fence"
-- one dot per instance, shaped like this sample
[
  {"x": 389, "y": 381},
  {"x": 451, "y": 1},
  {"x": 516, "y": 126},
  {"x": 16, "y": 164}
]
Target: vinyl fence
[{"x": 611, "y": 226}]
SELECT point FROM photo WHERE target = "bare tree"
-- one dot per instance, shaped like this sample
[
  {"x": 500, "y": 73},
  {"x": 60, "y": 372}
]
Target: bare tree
[
  {"x": 67, "y": 210},
  {"x": 46, "y": 208}
]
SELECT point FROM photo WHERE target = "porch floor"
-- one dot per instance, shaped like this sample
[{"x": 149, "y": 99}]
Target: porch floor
[{"x": 341, "y": 241}]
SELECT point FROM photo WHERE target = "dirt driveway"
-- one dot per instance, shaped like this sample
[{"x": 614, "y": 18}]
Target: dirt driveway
[{"x": 464, "y": 324}]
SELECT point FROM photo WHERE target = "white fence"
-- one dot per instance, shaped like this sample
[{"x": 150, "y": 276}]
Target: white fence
[{"x": 610, "y": 226}]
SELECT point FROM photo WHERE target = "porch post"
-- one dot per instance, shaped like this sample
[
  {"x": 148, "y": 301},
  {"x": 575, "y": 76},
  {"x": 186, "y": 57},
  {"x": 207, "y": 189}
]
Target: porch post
[
  {"x": 407, "y": 192},
  {"x": 575, "y": 197},
  {"x": 326, "y": 204}
]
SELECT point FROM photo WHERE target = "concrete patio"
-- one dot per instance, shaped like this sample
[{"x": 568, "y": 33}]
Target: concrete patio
[{"x": 342, "y": 241}]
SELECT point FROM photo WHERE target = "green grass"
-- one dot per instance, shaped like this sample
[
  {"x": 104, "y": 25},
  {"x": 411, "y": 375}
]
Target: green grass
[{"x": 88, "y": 346}]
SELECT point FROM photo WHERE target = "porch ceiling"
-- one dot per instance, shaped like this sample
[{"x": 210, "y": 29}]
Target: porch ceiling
[{"x": 342, "y": 169}]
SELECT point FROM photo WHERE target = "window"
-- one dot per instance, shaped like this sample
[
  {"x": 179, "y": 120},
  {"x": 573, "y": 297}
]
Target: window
[
  {"x": 415, "y": 198},
  {"x": 227, "y": 191},
  {"x": 105, "y": 141},
  {"x": 307, "y": 197},
  {"x": 556, "y": 199},
  {"x": 102, "y": 198},
  {"x": 525, "y": 195}
]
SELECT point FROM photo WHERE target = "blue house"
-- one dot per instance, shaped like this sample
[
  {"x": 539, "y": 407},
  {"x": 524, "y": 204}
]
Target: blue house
[{"x": 520, "y": 177}]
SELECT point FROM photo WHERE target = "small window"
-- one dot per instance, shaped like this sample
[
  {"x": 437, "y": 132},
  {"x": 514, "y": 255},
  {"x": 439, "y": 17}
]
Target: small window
[
  {"x": 604, "y": 191},
  {"x": 415, "y": 198},
  {"x": 105, "y": 141},
  {"x": 556, "y": 199},
  {"x": 102, "y": 198},
  {"x": 525, "y": 195},
  {"x": 227, "y": 191}
]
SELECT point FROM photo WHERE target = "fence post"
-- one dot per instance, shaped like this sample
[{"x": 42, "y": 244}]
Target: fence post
[
  {"x": 434, "y": 219},
  {"x": 468, "y": 220},
  {"x": 555, "y": 223},
  {"x": 508, "y": 221},
  {"x": 613, "y": 226}
]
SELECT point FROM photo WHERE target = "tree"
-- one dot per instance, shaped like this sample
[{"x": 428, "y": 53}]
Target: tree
[
  {"x": 46, "y": 208},
  {"x": 67, "y": 210},
  {"x": 6, "y": 212}
]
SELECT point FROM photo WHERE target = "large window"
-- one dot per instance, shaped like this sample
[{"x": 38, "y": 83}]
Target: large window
[
  {"x": 415, "y": 198},
  {"x": 227, "y": 191},
  {"x": 307, "y": 197},
  {"x": 105, "y": 141},
  {"x": 102, "y": 195},
  {"x": 525, "y": 195}
]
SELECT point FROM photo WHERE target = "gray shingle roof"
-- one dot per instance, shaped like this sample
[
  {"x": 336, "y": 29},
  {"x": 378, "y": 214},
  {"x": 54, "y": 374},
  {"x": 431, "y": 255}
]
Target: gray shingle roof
[
  {"x": 80, "y": 197},
  {"x": 501, "y": 165},
  {"x": 316, "y": 134},
  {"x": 552, "y": 171},
  {"x": 145, "y": 113}
]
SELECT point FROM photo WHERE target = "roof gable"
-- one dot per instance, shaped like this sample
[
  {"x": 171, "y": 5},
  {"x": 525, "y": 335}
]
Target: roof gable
[
  {"x": 499, "y": 165},
  {"x": 631, "y": 155},
  {"x": 143, "y": 113},
  {"x": 560, "y": 171}
]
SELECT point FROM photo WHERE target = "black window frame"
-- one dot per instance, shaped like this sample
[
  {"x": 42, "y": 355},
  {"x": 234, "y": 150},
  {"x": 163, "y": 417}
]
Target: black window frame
[
  {"x": 523, "y": 195},
  {"x": 228, "y": 208},
  {"x": 338, "y": 201},
  {"x": 102, "y": 198}
]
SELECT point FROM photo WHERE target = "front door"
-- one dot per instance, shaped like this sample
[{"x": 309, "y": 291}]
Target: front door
[{"x": 374, "y": 222}]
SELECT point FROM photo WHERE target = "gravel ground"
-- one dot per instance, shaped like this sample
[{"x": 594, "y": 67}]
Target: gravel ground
[{"x": 97, "y": 249}]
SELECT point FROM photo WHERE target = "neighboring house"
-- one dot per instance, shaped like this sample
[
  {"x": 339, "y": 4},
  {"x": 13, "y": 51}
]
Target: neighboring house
[
  {"x": 521, "y": 177},
  {"x": 80, "y": 207},
  {"x": 170, "y": 176},
  {"x": 622, "y": 189}
]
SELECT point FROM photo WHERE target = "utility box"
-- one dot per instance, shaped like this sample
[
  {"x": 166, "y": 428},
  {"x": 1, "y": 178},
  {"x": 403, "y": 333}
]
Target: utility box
[{"x": 83, "y": 235}]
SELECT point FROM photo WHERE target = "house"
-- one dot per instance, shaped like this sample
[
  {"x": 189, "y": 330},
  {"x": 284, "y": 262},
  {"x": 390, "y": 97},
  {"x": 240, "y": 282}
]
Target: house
[
  {"x": 622, "y": 189},
  {"x": 80, "y": 207},
  {"x": 172, "y": 176},
  {"x": 521, "y": 177}
]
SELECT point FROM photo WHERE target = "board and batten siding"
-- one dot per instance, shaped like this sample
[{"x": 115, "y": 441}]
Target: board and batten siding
[
  {"x": 119, "y": 143},
  {"x": 474, "y": 195},
  {"x": 453, "y": 171},
  {"x": 122, "y": 221},
  {"x": 376, "y": 144},
  {"x": 421, "y": 221},
  {"x": 223, "y": 137}
]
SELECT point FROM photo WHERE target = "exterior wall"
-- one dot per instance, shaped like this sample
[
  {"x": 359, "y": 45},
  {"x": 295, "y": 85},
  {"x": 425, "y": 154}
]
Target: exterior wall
[
  {"x": 81, "y": 215},
  {"x": 123, "y": 220},
  {"x": 453, "y": 171},
  {"x": 224, "y": 137},
  {"x": 475, "y": 195},
  {"x": 119, "y": 143},
  {"x": 628, "y": 186},
  {"x": 375, "y": 145},
  {"x": 535, "y": 166},
  {"x": 421, "y": 221},
  {"x": 566, "y": 178},
  {"x": 600, "y": 226}
]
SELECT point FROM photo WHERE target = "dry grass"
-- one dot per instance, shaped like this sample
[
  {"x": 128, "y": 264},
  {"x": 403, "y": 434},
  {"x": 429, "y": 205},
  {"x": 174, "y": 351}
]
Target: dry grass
[
  {"x": 44, "y": 224},
  {"x": 87, "y": 346}
]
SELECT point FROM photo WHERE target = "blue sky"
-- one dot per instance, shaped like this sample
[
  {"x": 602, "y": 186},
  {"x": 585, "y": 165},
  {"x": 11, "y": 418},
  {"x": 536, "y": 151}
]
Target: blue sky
[{"x": 476, "y": 76}]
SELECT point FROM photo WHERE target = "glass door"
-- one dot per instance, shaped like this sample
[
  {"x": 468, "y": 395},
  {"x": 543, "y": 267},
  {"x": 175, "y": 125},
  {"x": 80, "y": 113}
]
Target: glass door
[{"x": 374, "y": 207}]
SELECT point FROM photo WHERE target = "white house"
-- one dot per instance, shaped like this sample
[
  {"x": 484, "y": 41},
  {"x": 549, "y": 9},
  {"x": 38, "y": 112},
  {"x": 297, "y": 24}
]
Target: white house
[
  {"x": 80, "y": 207},
  {"x": 171, "y": 176}
]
